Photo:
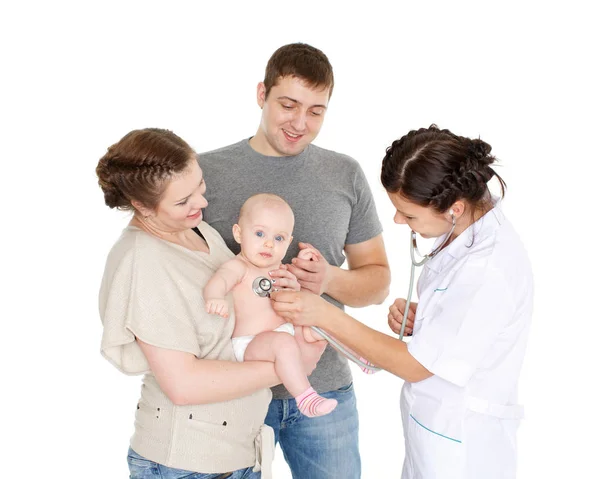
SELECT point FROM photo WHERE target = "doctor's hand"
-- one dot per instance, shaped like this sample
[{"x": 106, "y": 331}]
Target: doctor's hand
[
  {"x": 397, "y": 313},
  {"x": 283, "y": 279},
  {"x": 302, "y": 308},
  {"x": 311, "y": 269}
]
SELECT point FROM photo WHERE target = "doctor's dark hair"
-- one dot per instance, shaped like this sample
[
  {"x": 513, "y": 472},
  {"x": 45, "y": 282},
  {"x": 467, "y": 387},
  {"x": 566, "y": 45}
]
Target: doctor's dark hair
[
  {"x": 302, "y": 61},
  {"x": 140, "y": 165},
  {"x": 433, "y": 167}
]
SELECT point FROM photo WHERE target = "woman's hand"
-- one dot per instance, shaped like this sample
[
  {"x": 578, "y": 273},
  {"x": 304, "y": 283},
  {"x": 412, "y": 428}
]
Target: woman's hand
[
  {"x": 301, "y": 308},
  {"x": 283, "y": 279},
  {"x": 396, "y": 315}
]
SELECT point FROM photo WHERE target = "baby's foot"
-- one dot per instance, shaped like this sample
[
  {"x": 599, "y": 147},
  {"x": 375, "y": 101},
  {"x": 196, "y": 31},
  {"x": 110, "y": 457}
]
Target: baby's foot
[
  {"x": 368, "y": 363},
  {"x": 312, "y": 405}
]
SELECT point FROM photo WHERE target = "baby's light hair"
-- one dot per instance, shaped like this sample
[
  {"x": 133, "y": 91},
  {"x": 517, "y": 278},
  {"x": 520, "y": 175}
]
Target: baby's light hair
[{"x": 263, "y": 199}]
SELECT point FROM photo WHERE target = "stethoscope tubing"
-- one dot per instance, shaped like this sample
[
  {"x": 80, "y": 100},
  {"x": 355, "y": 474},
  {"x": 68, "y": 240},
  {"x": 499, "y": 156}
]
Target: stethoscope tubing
[
  {"x": 262, "y": 287},
  {"x": 345, "y": 351},
  {"x": 261, "y": 290},
  {"x": 410, "y": 290},
  {"x": 421, "y": 262}
]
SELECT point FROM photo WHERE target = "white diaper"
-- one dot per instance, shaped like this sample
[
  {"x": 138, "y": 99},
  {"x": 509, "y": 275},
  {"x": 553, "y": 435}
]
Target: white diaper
[{"x": 241, "y": 342}]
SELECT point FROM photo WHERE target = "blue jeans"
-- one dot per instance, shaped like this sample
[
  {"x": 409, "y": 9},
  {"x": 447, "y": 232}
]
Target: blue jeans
[
  {"x": 142, "y": 468},
  {"x": 324, "y": 447}
]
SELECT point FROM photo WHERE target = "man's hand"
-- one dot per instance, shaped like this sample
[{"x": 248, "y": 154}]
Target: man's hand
[
  {"x": 396, "y": 315},
  {"x": 312, "y": 273}
]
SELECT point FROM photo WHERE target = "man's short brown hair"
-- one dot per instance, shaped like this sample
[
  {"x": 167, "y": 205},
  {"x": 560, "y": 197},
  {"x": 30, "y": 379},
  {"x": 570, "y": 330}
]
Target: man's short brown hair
[{"x": 302, "y": 61}]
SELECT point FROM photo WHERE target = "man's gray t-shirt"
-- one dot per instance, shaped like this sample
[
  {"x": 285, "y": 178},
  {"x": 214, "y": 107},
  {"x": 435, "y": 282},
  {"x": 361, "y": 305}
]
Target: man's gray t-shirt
[{"x": 332, "y": 203}]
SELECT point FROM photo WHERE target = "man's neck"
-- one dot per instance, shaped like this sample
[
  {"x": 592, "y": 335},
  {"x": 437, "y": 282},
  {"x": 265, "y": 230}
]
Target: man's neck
[{"x": 260, "y": 144}]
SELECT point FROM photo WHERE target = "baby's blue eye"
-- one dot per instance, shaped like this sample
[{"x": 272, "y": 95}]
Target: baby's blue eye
[
  {"x": 260, "y": 234},
  {"x": 278, "y": 238}
]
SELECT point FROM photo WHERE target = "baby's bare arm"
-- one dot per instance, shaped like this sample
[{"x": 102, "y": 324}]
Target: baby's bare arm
[{"x": 223, "y": 281}]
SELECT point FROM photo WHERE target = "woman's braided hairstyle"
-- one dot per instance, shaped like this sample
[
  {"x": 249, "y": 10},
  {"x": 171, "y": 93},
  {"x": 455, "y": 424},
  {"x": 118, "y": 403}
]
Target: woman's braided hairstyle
[
  {"x": 139, "y": 166},
  {"x": 434, "y": 167}
]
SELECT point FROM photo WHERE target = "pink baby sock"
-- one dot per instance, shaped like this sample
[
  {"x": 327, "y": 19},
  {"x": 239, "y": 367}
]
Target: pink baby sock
[
  {"x": 311, "y": 404},
  {"x": 367, "y": 370}
]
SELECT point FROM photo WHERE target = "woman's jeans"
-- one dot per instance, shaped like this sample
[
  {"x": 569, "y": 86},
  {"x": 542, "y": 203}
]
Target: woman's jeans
[{"x": 142, "y": 468}]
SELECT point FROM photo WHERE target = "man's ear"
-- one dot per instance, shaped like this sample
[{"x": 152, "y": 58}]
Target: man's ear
[
  {"x": 145, "y": 212},
  {"x": 237, "y": 233},
  {"x": 261, "y": 94}
]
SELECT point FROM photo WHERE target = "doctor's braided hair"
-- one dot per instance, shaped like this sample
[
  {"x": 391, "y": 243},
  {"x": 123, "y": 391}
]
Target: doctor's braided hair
[
  {"x": 139, "y": 166},
  {"x": 433, "y": 167}
]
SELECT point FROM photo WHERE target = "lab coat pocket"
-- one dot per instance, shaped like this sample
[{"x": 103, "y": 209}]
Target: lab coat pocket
[
  {"x": 428, "y": 307},
  {"x": 435, "y": 439}
]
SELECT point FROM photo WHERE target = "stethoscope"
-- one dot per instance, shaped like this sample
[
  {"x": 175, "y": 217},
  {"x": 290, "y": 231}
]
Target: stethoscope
[
  {"x": 262, "y": 286},
  {"x": 421, "y": 262}
]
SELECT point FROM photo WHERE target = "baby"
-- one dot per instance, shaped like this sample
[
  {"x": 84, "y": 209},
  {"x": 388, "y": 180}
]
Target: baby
[{"x": 264, "y": 231}]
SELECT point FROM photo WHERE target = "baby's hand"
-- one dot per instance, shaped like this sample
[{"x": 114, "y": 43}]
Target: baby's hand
[
  {"x": 308, "y": 254},
  {"x": 311, "y": 268},
  {"x": 217, "y": 306}
]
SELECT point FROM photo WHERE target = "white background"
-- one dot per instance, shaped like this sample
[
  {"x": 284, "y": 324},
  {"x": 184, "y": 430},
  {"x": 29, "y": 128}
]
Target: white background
[{"x": 76, "y": 77}]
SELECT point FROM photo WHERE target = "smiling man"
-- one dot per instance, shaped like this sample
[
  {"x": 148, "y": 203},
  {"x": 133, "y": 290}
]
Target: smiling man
[{"x": 335, "y": 215}]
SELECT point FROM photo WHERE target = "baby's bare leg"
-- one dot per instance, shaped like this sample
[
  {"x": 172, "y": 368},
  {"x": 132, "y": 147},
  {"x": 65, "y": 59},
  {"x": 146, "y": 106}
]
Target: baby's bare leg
[
  {"x": 310, "y": 335},
  {"x": 282, "y": 349}
]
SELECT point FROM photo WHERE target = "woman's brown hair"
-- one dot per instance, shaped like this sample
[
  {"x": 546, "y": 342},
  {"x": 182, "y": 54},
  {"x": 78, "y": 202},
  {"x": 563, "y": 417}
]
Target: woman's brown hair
[{"x": 138, "y": 167}]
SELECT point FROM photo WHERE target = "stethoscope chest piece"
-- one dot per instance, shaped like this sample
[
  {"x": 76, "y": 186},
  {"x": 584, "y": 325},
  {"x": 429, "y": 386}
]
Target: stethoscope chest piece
[{"x": 262, "y": 286}]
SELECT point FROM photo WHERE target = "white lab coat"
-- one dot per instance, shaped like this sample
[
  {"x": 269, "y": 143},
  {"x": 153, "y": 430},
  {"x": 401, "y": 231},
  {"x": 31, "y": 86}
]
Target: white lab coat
[{"x": 471, "y": 328}]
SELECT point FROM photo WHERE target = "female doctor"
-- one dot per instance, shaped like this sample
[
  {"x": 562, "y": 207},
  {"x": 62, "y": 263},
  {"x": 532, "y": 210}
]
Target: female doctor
[{"x": 461, "y": 367}]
